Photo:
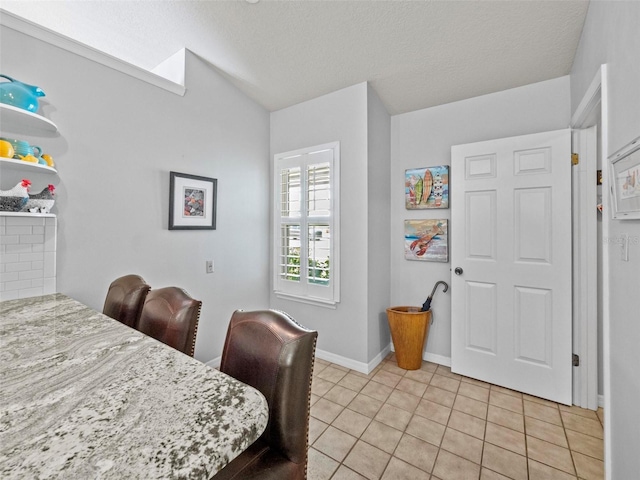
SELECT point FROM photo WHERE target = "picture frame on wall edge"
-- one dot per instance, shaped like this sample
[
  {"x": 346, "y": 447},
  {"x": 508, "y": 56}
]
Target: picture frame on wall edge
[
  {"x": 624, "y": 170},
  {"x": 192, "y": 202}
]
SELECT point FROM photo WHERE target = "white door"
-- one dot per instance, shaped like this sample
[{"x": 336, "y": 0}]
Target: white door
[{"x": 511, "y": 256}]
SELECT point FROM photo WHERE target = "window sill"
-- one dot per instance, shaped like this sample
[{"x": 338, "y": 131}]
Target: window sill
[{"x": 318, "y": 302}]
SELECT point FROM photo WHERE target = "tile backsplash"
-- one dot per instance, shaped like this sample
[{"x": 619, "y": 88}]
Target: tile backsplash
[{"x": 27, "y": 256}]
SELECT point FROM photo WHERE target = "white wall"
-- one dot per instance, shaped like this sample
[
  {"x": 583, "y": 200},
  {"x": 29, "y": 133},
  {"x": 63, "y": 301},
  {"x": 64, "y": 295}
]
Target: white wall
[
  {"x": 338, "y": 116},
  {"x": 424, "y": 138},
  {"x": 378, "y": 208},
  {"x": 118, "y": 139},
  {"x": 611, "y": 36}
]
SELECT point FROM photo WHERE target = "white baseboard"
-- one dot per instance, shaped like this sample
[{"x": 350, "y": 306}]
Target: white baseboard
[
  {"x": 601, "y": 401},
  {"x": 361, "y": 367},
  {"x": 367, "y": 368},
  {"x": 435, "y": 358}
]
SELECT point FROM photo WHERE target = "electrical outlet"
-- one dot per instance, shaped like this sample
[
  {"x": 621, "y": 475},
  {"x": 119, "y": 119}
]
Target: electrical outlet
[{"x": 209, "y": 266}]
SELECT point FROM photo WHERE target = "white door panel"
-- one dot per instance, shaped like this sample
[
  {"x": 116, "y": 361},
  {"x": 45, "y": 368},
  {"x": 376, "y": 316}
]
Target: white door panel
[{"x": 511, "y": 236}]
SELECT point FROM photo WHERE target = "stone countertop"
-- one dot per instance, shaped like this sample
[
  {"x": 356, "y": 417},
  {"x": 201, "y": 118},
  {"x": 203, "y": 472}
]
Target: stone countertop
[{"x": 85, "y": 397}]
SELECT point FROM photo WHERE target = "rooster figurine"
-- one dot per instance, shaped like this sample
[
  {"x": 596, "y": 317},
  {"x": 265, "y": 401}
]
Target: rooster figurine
[
  {"x": 13, "y": 200},
  {"x": 40, "y": 202}
]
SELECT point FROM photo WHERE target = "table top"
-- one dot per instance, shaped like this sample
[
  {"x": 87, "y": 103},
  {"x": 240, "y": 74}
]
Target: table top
[{"x": 83, "y": 396}]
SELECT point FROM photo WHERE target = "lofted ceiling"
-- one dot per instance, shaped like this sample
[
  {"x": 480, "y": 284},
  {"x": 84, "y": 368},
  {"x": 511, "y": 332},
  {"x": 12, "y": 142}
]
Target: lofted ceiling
[{"x": 414, "y": 53}]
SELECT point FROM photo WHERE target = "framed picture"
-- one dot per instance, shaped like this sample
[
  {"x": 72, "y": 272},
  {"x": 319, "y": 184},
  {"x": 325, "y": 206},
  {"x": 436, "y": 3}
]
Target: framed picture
[
  {"x": 426, "y": 240},
  {"x": 625, "y": 182},
  {"x": 426, "y": 187},
  {"x": 192, "y": 202}
]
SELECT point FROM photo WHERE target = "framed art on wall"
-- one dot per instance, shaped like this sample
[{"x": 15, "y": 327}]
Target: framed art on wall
[
  {"x": 192, "y": 202},
  {"x": 426, "y": 240},
  {"x": 427, "y": 187}
]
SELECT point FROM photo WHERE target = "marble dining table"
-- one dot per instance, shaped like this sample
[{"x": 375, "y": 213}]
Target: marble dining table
[{"x": 85, "y": 397}]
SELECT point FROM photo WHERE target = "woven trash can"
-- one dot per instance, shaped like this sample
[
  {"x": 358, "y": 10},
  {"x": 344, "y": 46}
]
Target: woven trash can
[{"x": 409, "y": 327}]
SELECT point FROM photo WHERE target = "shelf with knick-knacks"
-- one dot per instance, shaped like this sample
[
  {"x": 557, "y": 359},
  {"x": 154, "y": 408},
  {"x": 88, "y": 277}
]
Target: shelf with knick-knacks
[
  {"x": 26, "y": 167},
  {"x": 18, "y": 119},
  {"x": 19, "y": 158}
]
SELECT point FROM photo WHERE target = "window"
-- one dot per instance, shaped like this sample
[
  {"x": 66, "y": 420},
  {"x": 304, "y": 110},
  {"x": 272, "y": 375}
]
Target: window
[{"x": 306, "y": 223}]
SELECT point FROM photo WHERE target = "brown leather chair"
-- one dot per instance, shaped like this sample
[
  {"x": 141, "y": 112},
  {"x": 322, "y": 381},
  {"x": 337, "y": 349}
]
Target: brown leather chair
[
  {"x": 271, "y": 352},
  {"x": 125, "y": 298},
  {"x": 171, "y": 316}
]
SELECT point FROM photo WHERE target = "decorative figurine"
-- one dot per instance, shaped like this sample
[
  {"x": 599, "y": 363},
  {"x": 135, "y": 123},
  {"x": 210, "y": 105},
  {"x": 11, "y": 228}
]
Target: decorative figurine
[
  {"x": 13, "y": 200},
  {"x": 20, "y": 94},
  {"x": 41, "y": 202}
]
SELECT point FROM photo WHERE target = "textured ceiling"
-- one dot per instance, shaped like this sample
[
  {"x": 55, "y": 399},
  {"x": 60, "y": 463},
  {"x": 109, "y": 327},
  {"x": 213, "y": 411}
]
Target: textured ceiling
[{"x": 415, "y": 54}]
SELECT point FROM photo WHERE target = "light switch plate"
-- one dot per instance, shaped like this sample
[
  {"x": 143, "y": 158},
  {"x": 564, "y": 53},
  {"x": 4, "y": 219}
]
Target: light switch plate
[{"x": 624, "y": 247}]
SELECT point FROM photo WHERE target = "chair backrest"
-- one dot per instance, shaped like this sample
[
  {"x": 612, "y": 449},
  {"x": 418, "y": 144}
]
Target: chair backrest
[
  {"x": 171, "y": 315},
  {"x": 125, "y": 299},
  {"x": 271, "y": 352}
]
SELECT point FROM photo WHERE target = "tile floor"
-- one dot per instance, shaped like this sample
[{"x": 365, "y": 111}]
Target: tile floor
[{"x": 395, "y": 424}]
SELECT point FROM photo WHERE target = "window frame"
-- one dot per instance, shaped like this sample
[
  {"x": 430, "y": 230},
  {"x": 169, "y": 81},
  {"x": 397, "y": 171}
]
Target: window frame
[{"x": 305, "y": 291}]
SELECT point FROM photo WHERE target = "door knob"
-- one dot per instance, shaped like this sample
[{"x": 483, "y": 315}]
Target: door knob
[{"x": 458, "y": 271}]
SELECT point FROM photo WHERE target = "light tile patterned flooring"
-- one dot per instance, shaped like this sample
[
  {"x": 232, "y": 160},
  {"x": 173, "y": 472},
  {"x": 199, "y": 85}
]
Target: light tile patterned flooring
[{"x": 431, "y": 424}]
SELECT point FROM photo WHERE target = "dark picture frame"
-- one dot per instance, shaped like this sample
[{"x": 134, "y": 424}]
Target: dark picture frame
[{"x": 192, "y": 202}]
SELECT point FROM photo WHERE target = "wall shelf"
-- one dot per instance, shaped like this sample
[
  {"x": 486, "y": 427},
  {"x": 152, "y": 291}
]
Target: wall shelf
[
  {"x": 22, "y": 166},
  {"x": 27, "y": 214},
  {"x": 18, "y": 119}
]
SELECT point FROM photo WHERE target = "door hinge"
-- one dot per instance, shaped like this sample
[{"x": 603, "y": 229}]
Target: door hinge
[
  {"x": 575, "y": 159},
  {"x": 575, "y": 360}
]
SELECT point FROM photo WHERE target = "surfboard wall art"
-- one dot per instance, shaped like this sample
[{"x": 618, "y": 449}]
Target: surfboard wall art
[{"x": 427, "y": 187}]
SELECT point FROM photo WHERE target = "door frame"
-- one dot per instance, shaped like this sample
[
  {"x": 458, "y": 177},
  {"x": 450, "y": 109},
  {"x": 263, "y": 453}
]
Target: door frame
[
  {"x": 595, "y": 97},
  {"x": 585, "y": 268}
]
